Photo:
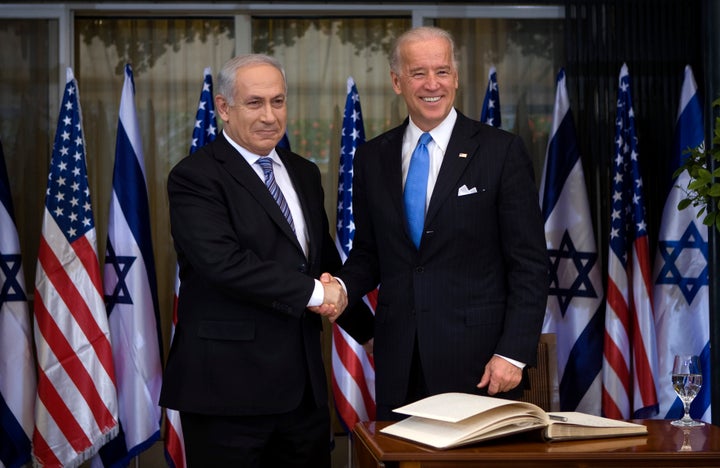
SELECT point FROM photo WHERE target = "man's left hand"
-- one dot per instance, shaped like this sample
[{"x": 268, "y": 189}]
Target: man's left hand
[{"x": 500, "y": 376}]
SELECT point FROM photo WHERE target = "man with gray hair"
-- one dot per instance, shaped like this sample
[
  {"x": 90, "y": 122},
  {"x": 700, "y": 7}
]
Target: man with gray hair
[
  {"x": 448, "y": 223},
  {"x": 245, "y": 368}
]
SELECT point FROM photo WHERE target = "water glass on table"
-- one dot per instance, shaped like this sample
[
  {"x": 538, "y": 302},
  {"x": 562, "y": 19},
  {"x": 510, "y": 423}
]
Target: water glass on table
[{"x": 686, "y": 381}]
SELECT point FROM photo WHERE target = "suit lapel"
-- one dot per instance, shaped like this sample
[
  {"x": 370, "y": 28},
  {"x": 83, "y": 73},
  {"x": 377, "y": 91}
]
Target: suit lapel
[
  {"x": 391, "y": 169},
  {"x": 241, "y": 171},
  {"x": 460, "y": 151},
  {"x": 312, "y": 220}
]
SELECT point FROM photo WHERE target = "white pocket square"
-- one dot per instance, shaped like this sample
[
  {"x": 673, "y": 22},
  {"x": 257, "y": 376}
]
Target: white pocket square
[{"x": 462, "y": 191}]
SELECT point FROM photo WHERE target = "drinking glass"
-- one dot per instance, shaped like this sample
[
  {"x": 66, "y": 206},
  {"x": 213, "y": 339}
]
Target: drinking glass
[{"x": 686, "y": 381}]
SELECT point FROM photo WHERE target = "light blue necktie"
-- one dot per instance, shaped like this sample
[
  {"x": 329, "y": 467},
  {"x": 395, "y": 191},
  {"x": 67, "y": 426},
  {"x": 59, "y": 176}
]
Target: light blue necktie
[
  {"x": 416, "y": 188},
  {"x": 266, "y": 165}
]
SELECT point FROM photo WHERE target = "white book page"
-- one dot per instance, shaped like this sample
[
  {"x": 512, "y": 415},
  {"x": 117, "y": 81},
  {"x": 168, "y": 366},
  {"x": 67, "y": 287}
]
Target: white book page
[
  {"x": 454, "y": 407},
  {"x": 589, "y": 420},
  {"x": 442, "y": 434}
]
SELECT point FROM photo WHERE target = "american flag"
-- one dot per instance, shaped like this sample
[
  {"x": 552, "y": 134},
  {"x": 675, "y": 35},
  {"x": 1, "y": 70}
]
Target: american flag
[
  {"x": 491, "y": 104},
  {"x": 76, "y": 411},
  {"x": 681, "y": 295},
  {"x": 630, "y": 350},
  {"x": 353, "y": 369},
  {"x": 575, "y": 303},
  {"x": 174, "y": 443},
  {"x": 205, "y": 128},
  {"x": 17, "y": 365},
  {"x": 131, "y": 295},
  {"x": 284, "y": 142},
  {"x": 204, "y": 131}
]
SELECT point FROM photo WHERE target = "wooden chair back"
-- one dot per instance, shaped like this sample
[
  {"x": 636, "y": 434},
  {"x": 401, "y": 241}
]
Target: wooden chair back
[{"x": 543, "y": 387}]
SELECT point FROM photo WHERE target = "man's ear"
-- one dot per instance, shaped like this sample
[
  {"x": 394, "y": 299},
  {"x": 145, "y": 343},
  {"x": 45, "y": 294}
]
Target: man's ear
[
  {"x": 395, "y": 83},
  {"x": 221, "y": 107}
]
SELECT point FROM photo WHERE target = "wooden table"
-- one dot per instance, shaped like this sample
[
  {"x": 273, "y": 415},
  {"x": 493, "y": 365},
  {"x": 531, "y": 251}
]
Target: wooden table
[{"x": 664, "y": 446}]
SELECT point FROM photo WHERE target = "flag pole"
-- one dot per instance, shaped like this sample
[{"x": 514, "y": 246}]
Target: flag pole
[{"x": 349, "y": 450}]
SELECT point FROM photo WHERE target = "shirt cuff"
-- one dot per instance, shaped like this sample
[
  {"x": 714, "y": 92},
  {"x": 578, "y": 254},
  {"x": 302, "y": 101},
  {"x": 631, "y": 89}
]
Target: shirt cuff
[
  {"x": 318, "y": 295},
  {"x": 341, "y": 284},
  {"x": 515, "y": 363}
]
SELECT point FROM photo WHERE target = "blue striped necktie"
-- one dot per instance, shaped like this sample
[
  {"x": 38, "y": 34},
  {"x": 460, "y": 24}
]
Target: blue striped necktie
[
  {"x": 416, "y": 188},
  {"x": 266, "y": 165}
]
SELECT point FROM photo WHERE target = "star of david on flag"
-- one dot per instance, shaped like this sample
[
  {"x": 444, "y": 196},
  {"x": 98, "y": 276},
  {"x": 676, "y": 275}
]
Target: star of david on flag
[
  {"x": 575, "y": 300},
  {"x": 17, "y": 364},
  {"x": 681, "y": 290},
  {"x": 131, "y": 297}
]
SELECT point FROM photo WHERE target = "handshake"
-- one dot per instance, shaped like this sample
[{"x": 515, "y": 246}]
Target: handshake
[{"x": 335, "y": 299}]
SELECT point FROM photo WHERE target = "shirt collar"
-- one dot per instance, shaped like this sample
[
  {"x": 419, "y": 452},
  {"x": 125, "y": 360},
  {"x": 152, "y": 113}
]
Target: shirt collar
[
  {"x": 251, "y": 157},
  {"x": 440, "y": 134}
]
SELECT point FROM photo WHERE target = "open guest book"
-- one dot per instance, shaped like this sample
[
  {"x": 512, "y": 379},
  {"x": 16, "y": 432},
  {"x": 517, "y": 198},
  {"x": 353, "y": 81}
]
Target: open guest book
[{"x": 453, "y": 419}]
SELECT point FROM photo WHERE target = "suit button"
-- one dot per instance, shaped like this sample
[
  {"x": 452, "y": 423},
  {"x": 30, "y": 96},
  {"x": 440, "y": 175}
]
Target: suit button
[
  {"x": 302, "y": 268},
  {"x": 419, "y": 270}
]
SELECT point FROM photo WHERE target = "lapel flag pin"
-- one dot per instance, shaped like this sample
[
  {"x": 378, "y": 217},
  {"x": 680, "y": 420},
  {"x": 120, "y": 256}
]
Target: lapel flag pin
[{"x": 462, "y": 155}]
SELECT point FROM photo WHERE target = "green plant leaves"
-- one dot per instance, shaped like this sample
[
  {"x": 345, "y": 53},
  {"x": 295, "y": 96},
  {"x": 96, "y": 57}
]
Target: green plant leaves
[{"x": 703, "y": 190}]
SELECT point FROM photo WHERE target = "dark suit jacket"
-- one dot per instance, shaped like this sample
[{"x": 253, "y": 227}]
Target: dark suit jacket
[
  {"x": 244, "y": 342},
  {"x": 477, "y": 285}
]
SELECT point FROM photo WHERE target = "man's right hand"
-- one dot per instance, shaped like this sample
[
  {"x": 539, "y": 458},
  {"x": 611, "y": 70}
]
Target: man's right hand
[{"x": 335, "y": 299}]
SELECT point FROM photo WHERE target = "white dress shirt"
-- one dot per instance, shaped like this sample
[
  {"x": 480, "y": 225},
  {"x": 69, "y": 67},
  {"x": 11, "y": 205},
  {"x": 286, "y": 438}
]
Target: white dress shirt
[
  {"x": 436, "y": 148},
  {"x": 282, "y": 178}
]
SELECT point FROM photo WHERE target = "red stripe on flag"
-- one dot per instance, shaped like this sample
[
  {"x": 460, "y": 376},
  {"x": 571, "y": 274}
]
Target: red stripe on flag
[
  {"x": 618, "y": 303},
  {"x": 643, "y": 367},
  {"x": 42, "y": 451},
  {"x": 372, "y": 298},
  {"x": 646, "y": 384},
  {"x": 613, "y": 354},
  {"x": 73, "y": 366},
  {"x": 352, "y": 363},
  {"x": 643, "y": 371},
  {"x": 88, "y": 257},
  {"x": 61, "y": 414},
  {"x": 344, "y": 408},
  {"x": 609, "y": 408},
  {"x": 173, "y": 443},
  {"x": 642, "y": 251},
  {"x": 77, "y": 305},
  {"x": 614, "y": 357}
]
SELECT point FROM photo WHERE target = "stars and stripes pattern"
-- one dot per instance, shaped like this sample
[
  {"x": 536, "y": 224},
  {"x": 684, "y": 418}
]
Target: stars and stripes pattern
[
  {"x": 575, "y": 303},
  {"x": 17, "y": 365},
  {"x": 284, "y": 142},
  {"x": 76, "y": 411},
  {"x": 204, "y": 131},
  {"x": 353, "y": 370},
  {"x": 205, "y": 128},
  {"x": 131, "y": 297},
  {"x": 490, "y": 113},
  {"x": 681, "y": 290},
  {"x": 174, "y": 443},
  {"x": 630, "y": 350}
]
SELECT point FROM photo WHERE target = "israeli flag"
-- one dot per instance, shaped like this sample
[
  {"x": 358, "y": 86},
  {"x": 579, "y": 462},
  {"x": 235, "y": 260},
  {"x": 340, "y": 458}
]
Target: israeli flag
[
  {"x": 682, "y": 320},
  {"x": 575, "y": 301}
]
